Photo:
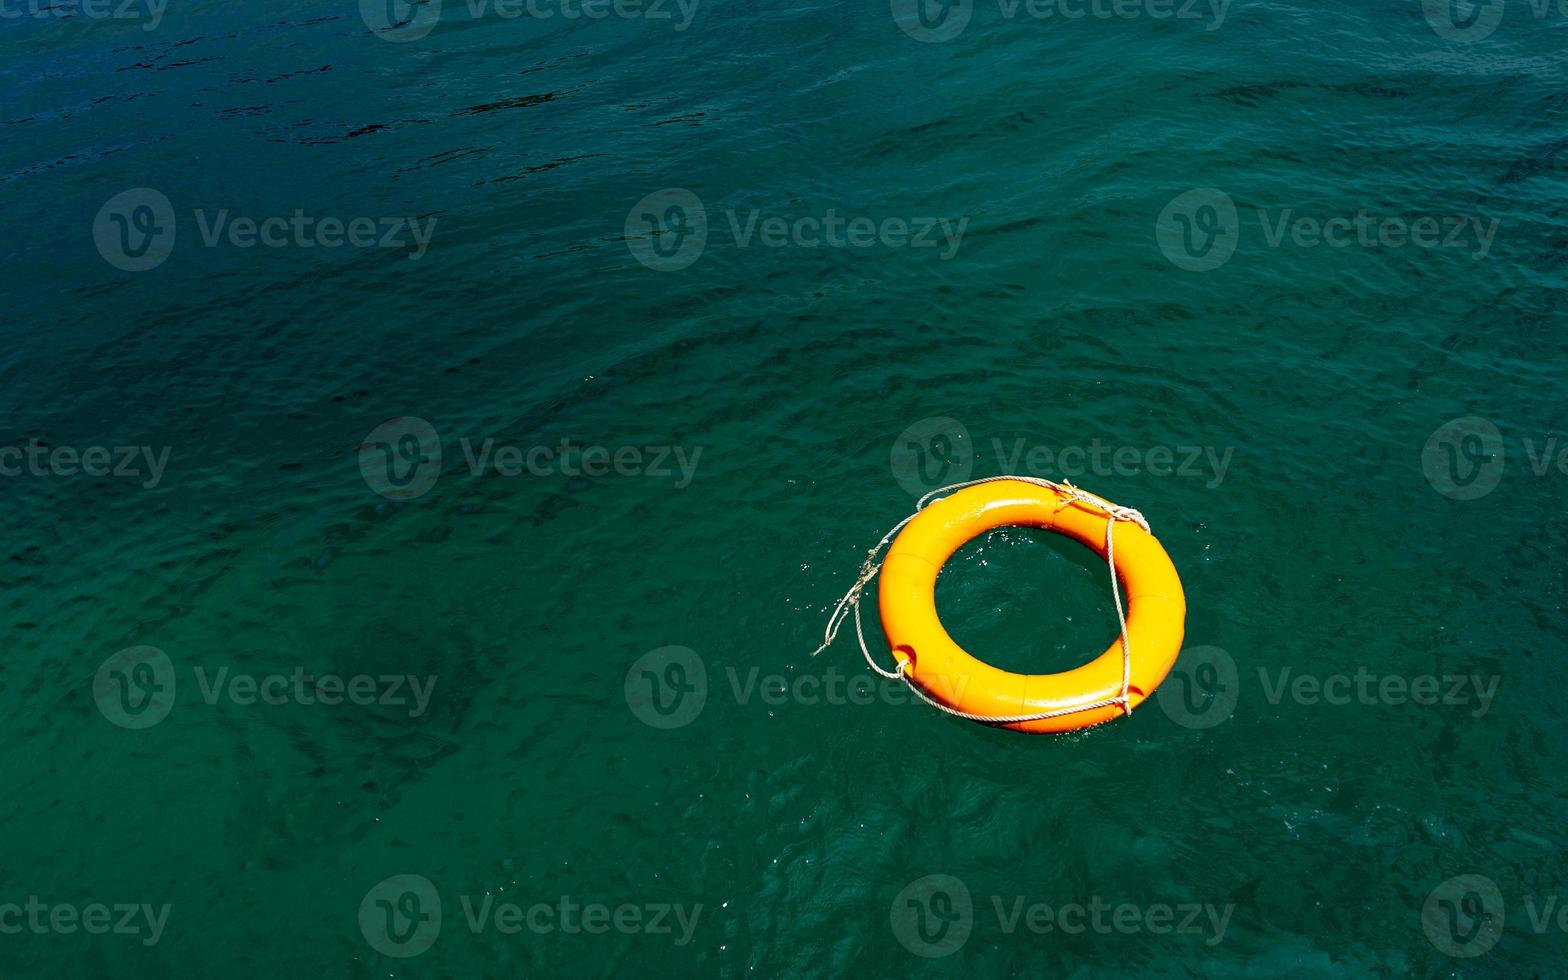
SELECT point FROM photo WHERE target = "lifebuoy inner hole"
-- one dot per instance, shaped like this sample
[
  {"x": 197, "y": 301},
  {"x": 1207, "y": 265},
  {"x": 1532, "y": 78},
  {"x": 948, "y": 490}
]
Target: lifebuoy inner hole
[{"x": 1027, "y": 600}]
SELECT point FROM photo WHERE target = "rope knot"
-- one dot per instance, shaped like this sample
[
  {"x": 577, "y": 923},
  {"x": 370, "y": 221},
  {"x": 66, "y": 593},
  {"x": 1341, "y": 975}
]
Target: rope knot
[
  {"x": 1116, "y": 511},
  {"x": 1129, "y": 514}
]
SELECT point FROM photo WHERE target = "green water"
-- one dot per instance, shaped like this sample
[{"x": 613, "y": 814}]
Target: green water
[{"x": 1049, "y": 279}]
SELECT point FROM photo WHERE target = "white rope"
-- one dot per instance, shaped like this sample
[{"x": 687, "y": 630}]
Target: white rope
[{"x": 870, "y": 568}]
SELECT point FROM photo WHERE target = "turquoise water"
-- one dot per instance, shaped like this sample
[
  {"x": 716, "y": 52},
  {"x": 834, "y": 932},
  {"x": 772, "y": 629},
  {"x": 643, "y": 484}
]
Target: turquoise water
[{"x": 579, "y": 675}]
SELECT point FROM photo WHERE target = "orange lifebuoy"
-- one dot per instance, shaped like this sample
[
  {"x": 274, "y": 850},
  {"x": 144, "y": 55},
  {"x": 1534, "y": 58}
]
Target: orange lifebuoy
[{"x": 946, "y": 673}]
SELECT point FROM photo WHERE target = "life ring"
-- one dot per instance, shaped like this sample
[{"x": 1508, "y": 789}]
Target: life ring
[{"x": 946, "y": 673}]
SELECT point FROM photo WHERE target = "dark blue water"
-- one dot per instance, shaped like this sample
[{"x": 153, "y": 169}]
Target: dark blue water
[{"x": 433, "y": 440}]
